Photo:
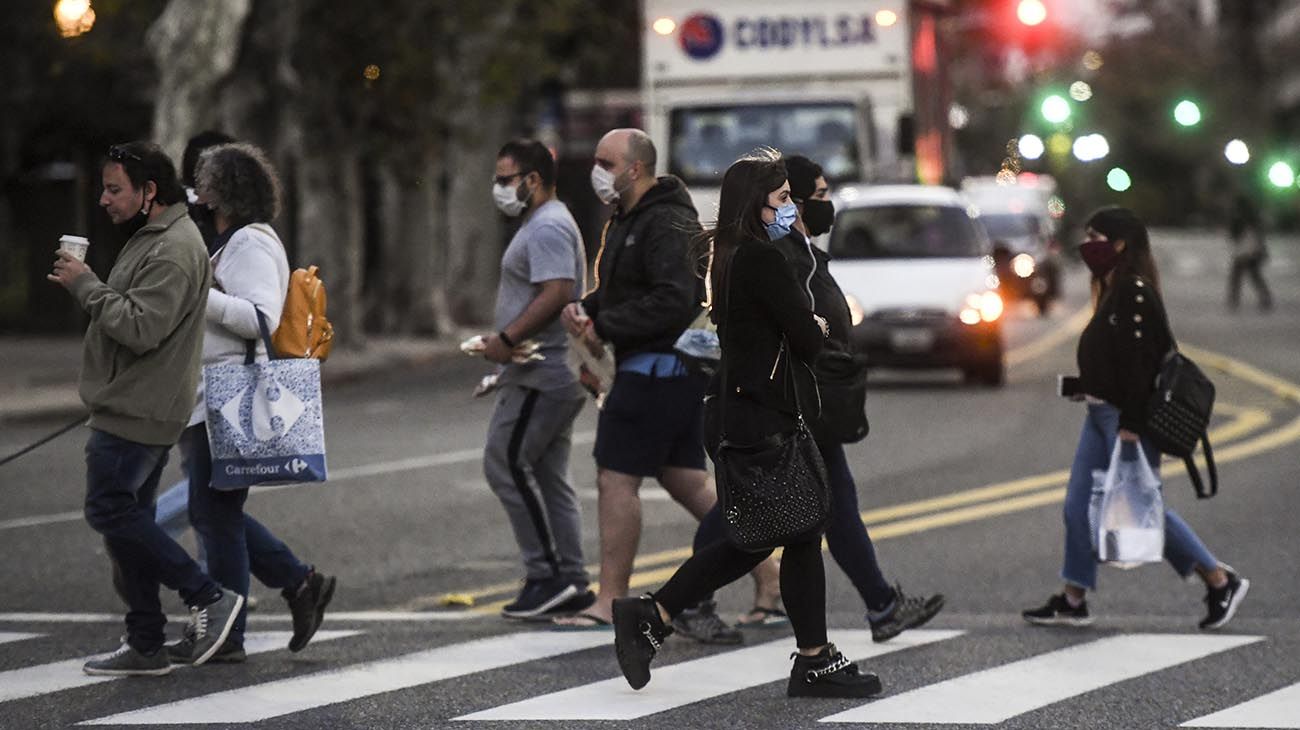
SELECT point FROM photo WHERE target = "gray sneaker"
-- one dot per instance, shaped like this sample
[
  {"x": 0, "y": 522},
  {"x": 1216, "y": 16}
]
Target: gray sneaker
[
  {"x": 210, "y": 624},
  {"x": 703, "y": 625},
  {"x": 127, "y": 662},
  {"x": 184, "y": 651}
]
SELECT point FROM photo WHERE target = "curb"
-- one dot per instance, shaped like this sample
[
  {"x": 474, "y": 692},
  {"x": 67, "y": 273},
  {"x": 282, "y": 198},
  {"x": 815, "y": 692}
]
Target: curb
[{"x": 61, "y": 401}]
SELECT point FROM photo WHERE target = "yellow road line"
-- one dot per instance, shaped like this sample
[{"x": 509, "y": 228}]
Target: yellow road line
[
  {"x": 997, "y": 499},
  {"x": 1067, "y": 330}
]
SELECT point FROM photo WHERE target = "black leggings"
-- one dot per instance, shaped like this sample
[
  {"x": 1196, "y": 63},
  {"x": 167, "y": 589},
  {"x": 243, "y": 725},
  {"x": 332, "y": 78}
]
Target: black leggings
[{"x": 803, "y": 583}]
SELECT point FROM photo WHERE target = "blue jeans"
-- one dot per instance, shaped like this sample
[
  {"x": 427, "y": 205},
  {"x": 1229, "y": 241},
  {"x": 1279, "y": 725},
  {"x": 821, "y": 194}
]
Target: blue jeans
[
  {"x": 235, "y": 543},
  {"x": 121, "y": 480},
  {"x": 173, "y": 515},
  {"x": 1183, "y": 549}
]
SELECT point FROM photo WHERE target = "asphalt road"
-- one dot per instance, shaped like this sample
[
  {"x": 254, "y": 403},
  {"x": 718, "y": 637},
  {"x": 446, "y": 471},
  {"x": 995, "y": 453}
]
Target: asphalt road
[{"x": 960, "y": 485}]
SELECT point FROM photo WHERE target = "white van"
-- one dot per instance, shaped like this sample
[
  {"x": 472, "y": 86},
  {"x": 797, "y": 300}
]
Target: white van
[{"x": 916, "y": 267}]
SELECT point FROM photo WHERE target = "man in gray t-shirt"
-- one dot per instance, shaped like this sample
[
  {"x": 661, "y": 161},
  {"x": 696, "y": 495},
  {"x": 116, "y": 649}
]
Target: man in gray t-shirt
[{"x": 526, "y": 459}]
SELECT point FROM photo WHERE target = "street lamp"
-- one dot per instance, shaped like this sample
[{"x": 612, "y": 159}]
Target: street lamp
[
  {"x": 1237, "y": 152},
  {"x": 1281, "y": 175},
  {"x": 74, "y": 17},
  {"x": 1187, "y": 113}
]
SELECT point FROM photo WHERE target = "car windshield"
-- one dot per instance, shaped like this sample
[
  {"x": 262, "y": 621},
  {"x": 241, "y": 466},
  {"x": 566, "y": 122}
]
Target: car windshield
[
  {"x": 905, "y": 231},
  {"x": 1007, "y": 225},
  {"x": 705, "y": 140}
]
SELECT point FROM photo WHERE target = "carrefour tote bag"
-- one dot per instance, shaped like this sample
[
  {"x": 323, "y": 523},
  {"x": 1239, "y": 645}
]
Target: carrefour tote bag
[
  {"x": 265, "y": 423},
  {"x": 1130, "y": 522}
]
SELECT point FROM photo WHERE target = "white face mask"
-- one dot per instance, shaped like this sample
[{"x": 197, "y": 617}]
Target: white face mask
[
  {"x": 602, "y": 181},
  {"x": 507, "y": 199}
]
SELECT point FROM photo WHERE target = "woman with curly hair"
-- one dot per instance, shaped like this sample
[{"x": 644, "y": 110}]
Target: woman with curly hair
[{"x": 250, "y": 276}]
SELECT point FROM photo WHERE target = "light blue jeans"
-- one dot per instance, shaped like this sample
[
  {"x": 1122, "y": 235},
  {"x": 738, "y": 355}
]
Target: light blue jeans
[{"x": 1183, "y": 549}]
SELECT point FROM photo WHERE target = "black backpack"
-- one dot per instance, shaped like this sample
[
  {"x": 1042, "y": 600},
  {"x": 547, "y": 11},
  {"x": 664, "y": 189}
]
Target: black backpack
[{"x": 1178, "y": 413}]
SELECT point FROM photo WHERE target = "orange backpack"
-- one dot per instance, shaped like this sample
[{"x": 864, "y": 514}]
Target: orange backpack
[{"x": 304, "y": 330}]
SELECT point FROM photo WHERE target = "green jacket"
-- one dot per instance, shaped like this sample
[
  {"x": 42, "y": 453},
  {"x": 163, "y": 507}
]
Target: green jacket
[{"x": 143, "y": 349}]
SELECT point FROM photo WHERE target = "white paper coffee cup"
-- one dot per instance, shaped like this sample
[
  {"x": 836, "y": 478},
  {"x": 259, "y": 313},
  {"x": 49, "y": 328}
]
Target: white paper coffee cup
[{"x": 75, "y": 245}]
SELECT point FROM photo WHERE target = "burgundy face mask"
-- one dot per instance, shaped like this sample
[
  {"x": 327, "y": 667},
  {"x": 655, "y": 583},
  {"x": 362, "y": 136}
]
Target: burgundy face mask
[{"x": 1100, "y": 256}]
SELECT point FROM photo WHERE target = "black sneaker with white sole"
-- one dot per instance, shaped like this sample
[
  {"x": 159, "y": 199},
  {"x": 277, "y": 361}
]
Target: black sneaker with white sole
[
  {"x": 127, "y": 662},
  {"x": 1059, "y": 612},
  {"x": 538, "y": 596},
  {"x": 1222, "y": 603},
  {"x": 210, "y": 624}
]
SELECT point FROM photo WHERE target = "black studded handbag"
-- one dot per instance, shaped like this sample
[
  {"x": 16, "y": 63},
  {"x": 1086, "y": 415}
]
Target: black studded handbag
[{"x": 775, "y": 491}]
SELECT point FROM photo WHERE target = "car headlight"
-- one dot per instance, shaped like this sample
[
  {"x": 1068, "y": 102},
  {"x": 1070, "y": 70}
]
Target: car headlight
[
  {"x": 986, "y": 307},
  {"x": 1023, "y": 265},
  {"x": 855, "y": 310}
]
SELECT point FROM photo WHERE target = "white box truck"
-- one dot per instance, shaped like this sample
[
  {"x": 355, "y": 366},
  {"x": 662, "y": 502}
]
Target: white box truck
[{"x": 830, "y": 79}]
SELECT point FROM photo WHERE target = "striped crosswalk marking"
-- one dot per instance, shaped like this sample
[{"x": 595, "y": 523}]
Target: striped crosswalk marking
[
  {"x": 1280, "y": 709},
  {"x": 17, "y": 684},
  {"x": 995, "y": 695},
  {"x": 282, "y": 697},
  {"x": 681, "y": 684},
  {"x": 8, "y": 636}
]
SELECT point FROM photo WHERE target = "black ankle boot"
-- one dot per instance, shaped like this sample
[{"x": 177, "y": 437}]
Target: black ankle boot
[
  {"x": 829, "y": 674},
  {"x": 638, "y": 634}
]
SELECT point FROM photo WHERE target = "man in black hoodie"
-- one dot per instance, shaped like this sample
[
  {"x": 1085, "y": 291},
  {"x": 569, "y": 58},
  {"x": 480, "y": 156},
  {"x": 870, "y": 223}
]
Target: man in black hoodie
[{"x": 646, "y": 294}]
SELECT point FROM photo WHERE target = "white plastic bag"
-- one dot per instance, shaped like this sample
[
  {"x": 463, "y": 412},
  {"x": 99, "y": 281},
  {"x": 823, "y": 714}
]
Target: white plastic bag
[{"x": 1129, "y": 528}]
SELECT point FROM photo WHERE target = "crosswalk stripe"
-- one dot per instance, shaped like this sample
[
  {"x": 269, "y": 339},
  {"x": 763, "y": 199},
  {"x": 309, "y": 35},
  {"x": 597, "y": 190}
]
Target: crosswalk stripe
[
  {"x": 995, "y": 695},
  {"x": 1280, "y": 709},
  {"x": 16, "y": 684},
  {"x": 681, "y": 684},
  {"x": 8, "y": 636},
  {"x": 286, "y": 696}
]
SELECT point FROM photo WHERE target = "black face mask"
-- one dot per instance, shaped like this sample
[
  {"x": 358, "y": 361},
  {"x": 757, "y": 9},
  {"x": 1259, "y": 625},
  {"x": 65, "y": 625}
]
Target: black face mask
[{"x": 818, "y": 215}]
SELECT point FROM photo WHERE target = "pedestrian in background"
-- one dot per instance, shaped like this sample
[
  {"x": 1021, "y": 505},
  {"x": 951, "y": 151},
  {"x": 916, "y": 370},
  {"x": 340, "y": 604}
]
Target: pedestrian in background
[
  {"x": 526, "y": 460},
  {"x": 647, "y": 293},
  {"x": 889, "y": 610},
  {"x": 1119, "y": 355},
  {"x": 763, "y": 315},
  {"x": 250, "y": 278},
  {"x": 1249, "y": 252},
  {"x": 139, "y": 371}
]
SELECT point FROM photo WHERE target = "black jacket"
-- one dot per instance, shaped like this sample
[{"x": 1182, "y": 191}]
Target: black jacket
[
  {"x": 811, "y": 267},
  {"x": 1122, "y": 347},
  {"x": 648, "y": 291},
  {"x": 760, "y": 304}
]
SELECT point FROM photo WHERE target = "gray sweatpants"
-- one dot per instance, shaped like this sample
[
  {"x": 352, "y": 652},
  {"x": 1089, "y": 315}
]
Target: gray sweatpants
[{"x": 526, "y": 462}]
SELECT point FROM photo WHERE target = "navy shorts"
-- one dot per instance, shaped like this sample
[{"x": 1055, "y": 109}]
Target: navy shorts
[{"x": 650, "y": 422}]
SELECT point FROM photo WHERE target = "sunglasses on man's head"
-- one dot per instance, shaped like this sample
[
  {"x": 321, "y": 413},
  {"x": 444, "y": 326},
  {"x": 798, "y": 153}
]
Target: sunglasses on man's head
[{"x": 118, "y": 153}]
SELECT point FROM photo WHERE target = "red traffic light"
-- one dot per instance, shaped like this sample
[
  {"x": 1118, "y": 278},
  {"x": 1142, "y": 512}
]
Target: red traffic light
[{"x": 1031, "y": 12}]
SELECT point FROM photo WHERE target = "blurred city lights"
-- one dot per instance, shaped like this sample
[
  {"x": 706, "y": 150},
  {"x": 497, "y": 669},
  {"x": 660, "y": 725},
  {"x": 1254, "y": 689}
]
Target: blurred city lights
[
  {"x": 1055, "y": 109},
  {"x": 1005, "y": 177},
  {"x": 1092, "y": 60},
  {"x": 1091, "y": 147},
  {"x": 1031, "y": 12},
  {"x": 1031, "y": 147},
  {"x": 1237, "y": 152},
  {"x": 1118, "y": 179},
  {"x": 371, "y": 73},
  {"x": 1187, "y": 113},
  {"x": 1281, "y": 175},
  {"x": 1059, "y": 144},
  {"x": 1080, "y": 91},
  {"x": 74, "y": 17},
  {"x": 958, "y": 117},
  {"x": 1056, "y": 206},
  {"x": 886, "y": 18},
  {"x": 1023, "y": 265},
  {"x": 664, "y": 26}
]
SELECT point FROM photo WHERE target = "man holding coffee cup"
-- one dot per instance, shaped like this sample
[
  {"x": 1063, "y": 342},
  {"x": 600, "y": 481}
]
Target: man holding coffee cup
[{"x": 140, "y": 369}]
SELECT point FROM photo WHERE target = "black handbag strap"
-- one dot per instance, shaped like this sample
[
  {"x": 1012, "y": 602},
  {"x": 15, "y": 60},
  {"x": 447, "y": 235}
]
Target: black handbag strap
[
  {"x": 722, "y": 364},
  {"x": 250, "y": 346},
  {"x": 1195, "y": 474}
]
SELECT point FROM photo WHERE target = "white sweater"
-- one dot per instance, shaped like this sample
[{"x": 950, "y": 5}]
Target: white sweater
[{"x": 250, "y": 270}]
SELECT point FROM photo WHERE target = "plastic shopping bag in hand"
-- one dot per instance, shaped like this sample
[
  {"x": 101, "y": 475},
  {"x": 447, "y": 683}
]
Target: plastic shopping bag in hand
[{"x": 1130, "y": 524}]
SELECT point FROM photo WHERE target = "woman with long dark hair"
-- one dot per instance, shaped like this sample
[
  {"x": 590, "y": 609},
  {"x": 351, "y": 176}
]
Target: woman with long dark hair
[
  {"x": 1119, "y": 355},
  {"x": 758, "y": 307}
]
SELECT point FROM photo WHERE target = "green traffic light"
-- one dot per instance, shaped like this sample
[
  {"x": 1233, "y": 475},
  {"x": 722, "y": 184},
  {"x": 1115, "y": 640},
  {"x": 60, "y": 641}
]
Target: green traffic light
[
  {"x": 1055, "y": 109},
  {"x": 1118, "y": 179},
  {"x": 1187, "y": 113},
  {"x": 1281, "y": 175}
]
